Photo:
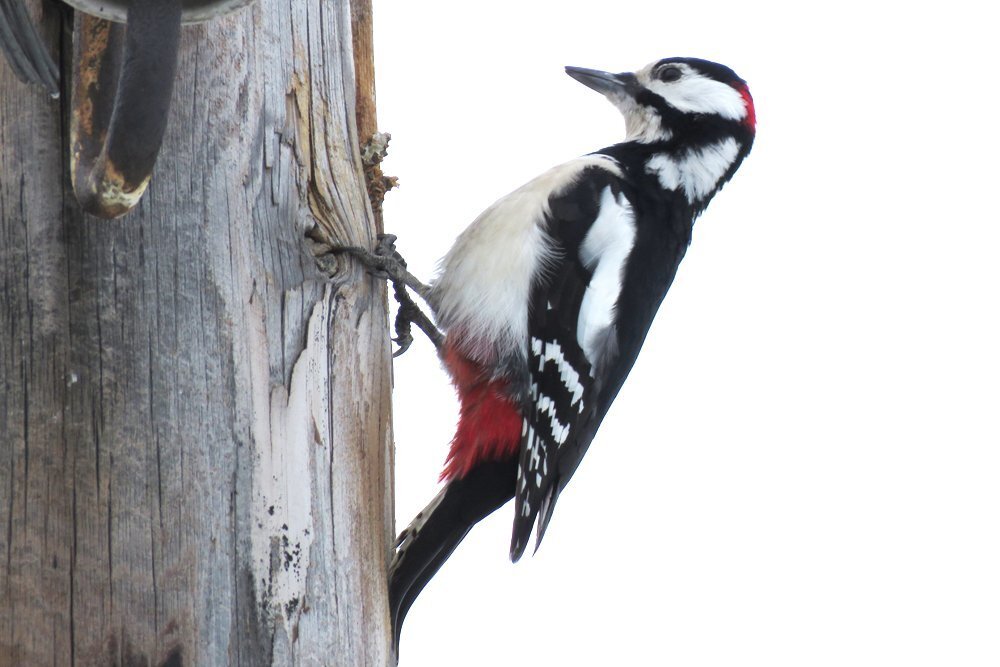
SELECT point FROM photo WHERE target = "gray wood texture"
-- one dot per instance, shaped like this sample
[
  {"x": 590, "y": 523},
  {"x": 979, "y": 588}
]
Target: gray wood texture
[{"x": 195, "y": 444}]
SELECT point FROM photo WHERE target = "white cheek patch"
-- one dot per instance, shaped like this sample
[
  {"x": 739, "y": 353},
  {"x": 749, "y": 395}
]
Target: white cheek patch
[
  {"x": 694, "y": 93},
  {"x": 604, "y": 250},
  {"x": 698, "y": 171}
]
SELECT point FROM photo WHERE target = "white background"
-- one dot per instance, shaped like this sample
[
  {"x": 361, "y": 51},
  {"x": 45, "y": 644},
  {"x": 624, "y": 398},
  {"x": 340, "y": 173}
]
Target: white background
[{"x": 803, "y": 468}]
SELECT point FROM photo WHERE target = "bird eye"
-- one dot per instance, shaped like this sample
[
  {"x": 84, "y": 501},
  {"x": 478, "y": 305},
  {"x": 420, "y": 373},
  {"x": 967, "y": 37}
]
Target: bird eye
[{"x": 669, "y": 73}]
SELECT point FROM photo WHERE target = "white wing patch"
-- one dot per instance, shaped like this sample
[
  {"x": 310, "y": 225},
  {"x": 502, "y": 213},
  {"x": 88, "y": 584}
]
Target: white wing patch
[
  {"x": 604, "y": 250},
  {"x": 485, "y": 279},
  {"x": 698, "y": 171}
]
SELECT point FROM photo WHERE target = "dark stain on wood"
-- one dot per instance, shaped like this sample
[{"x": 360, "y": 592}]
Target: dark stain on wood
[{"x": 174, "y": 658}]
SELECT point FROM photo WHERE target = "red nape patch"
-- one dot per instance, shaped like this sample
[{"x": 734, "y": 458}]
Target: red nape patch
[
  {"x": 751, "y": 119},
  {"x": 489, "y": 424}
]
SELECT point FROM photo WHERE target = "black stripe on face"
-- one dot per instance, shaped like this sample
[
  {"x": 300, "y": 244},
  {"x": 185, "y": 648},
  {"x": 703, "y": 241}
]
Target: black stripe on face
[{"x": 694, "y": 129}]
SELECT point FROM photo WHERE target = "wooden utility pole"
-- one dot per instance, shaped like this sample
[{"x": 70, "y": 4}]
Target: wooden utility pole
[{"x": 195, "y": 446}]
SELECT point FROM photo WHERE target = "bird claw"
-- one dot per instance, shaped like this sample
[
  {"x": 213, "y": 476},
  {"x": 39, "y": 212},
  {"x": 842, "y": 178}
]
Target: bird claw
[
  {"x": 404, "y": 343},
  {"x": 404, "y": 317},
  {"x": 386, "y": 246},
  {"x": 385, "y": 262}
]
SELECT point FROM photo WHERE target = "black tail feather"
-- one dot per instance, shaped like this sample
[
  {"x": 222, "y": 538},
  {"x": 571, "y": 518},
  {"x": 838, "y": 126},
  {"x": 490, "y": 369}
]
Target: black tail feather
[{"x": 432, "y": 537}]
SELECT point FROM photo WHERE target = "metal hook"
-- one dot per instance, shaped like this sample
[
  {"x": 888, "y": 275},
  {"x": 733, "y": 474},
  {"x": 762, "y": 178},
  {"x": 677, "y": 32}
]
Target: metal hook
[
  {"x": 122, "y": 83},
  {"x": 120, "y": 101}
]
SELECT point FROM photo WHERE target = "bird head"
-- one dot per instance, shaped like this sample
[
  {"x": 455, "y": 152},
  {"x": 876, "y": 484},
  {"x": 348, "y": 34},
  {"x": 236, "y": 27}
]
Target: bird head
[{"x": 672, "y": 97}]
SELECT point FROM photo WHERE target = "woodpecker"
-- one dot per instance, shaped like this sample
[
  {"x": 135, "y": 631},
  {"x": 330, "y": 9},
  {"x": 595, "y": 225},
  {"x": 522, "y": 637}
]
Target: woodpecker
[{"x": 546, "y": 299}]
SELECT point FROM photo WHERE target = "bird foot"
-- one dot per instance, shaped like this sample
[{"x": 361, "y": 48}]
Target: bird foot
[{"x": 385, "y": 262}]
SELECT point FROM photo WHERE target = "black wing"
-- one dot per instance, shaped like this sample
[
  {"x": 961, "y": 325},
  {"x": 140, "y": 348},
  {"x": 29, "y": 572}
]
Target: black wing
[
  {"x": 24, "y": 49},
  {"x": 560, "y": 410}
]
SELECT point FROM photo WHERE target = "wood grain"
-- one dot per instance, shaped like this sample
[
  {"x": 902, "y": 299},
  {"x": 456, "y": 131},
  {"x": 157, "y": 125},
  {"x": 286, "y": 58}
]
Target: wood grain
[{"x": 195, "y": 443}]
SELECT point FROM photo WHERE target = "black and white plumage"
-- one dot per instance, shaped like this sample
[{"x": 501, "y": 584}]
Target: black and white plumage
[{"x": 547, "y": 297}]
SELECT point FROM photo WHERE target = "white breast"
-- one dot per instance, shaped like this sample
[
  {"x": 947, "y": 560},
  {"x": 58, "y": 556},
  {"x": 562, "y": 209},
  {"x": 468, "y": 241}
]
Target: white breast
[{"x": 483, "y": 288}]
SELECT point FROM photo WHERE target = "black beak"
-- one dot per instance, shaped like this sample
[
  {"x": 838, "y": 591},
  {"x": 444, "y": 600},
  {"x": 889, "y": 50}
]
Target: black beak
[{"x": 605, "y": 83}]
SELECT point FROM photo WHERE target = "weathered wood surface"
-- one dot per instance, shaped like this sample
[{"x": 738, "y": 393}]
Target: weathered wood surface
[{"x": 194, "y": 419}]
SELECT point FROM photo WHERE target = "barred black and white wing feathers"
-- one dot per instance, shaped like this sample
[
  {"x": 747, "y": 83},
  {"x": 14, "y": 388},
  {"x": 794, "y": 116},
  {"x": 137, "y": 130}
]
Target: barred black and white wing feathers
[
  {"x": 571, "y": 339},
  {"x": 557, "y": 403}
]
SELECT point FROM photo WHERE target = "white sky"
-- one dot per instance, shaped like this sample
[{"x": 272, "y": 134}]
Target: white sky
[{"x": 804, "y": 466}]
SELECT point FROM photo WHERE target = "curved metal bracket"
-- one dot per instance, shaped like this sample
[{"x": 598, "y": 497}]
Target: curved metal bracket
[
  {"x": 193, "y": 11},
  {"x": 121, "y": 98},
  {"x": 121, "y": 89}
]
